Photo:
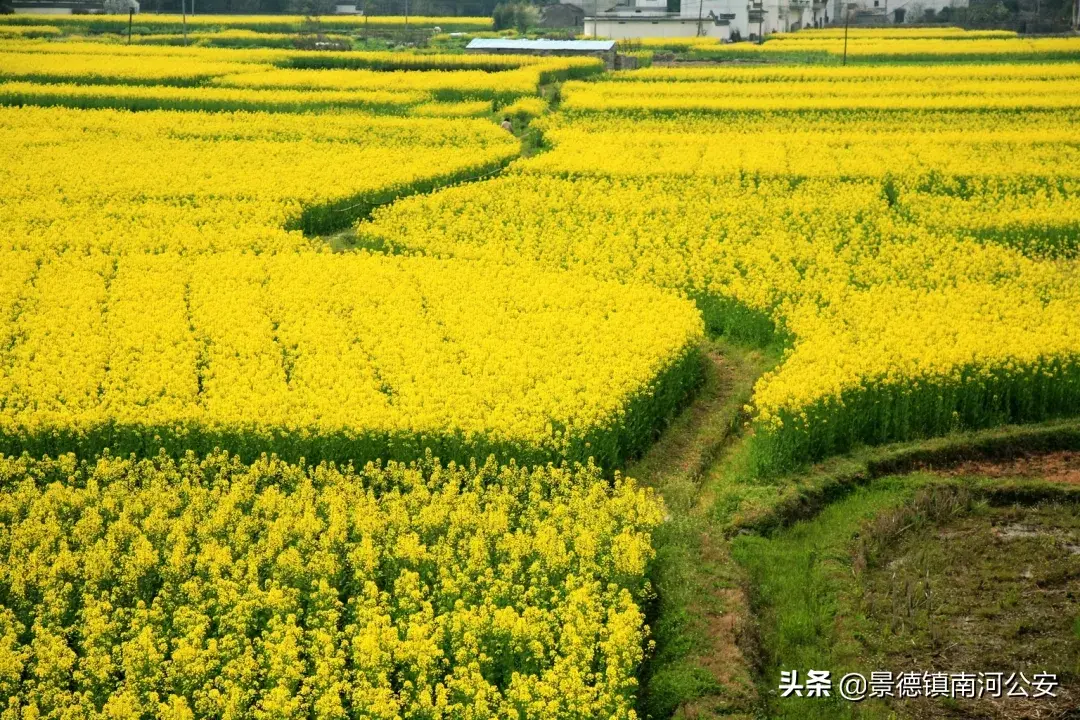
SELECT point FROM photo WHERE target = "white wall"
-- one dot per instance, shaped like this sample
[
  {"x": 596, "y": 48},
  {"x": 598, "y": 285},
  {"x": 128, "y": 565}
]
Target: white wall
[
  {"x": 631, "y": 29},
  {"x": 779, "y": 15},
  {"x": 913, "y": 7}
]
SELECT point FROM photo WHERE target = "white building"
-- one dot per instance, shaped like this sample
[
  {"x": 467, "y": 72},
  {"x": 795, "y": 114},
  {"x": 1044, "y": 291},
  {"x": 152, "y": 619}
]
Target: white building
[
  {"x": 625, "y": 19},
  {"x": 621, "y": 26},
  {"x": 622, "y": 19}
]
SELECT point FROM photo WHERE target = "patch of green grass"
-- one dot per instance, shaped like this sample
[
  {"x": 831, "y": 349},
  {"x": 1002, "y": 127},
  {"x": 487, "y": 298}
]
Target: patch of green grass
[
  {"x": 797, "y": 581},
  {"x": 744, "y": 499},
  {"x": 707, "y": 656},
  {"x": 702, "y": 611},
  {"x": 348, "y": 240},
  {"x": 677, "y": 462},
  {"x": 696, "y": 619}
]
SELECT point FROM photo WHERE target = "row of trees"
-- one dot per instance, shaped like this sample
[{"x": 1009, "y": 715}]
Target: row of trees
[
  {"x": 516, "y": 15},
  {"x": 476, "y": 8},
  {"x": 1034, "y": 16},
  {"x": 1027, "y": 16}
]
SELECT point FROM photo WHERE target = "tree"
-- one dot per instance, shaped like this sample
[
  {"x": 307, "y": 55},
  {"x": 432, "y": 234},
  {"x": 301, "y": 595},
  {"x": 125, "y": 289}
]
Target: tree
[
  {"x": 520, "y": 16},
  {"x": 987, "y": 12},
  {"x": 120, "y": 7},
  {"x": 311, "y": 8}
]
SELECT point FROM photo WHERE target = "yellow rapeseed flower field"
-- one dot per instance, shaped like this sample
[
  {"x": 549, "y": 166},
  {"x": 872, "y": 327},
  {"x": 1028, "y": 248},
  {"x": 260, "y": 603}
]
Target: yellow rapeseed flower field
[
  {"x": 908, "y": 234},
  {"x": 287, "y": 58},
  {"x": 345, "y": 357},
  {"x": 982, "y": 93},
  {"x": 162, "y": 295},
  {"x": 891, "y": 33},
  {"x": 230, "y": 199},
  {"x": 817, "y": 142},
  {"x": 118, "y": 181},
  {"x": 450, "y": 77},
  {"x": 504, "y": 86},
  {"x": 165, "y": 70},
  {"x": 86, "y": 46},
  {"x": 212, "y": 588},
  {"x": 951, "y": 47},
  {"x": 161, "y": 264},
  {"x": 160, "y": 97},
  {"x": 917, "y": 253},
  {"x": 28, "y": 31},
  {"x": 875, "y": 74}
]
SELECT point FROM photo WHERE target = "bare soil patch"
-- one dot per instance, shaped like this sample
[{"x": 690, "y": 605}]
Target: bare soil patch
[
  {"x": 1061, "y": 467},
  {"x": 994, "y": 591}
]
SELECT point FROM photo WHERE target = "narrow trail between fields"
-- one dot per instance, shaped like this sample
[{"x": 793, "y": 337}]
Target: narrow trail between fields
[
  {"x": 709, "y": 660},
  {"x": 530, "y": 141},
  {"x": 704, "y": 660}
]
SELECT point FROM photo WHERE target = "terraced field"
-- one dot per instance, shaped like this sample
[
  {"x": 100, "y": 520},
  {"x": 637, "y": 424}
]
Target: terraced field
[{"x": 321, "y": 394}]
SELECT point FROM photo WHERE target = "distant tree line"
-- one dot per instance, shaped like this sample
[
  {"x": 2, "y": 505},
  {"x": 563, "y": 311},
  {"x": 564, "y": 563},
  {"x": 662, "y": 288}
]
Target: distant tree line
[
  {"x": 1024, "y": 16},
  {"x": 473, "y": 8},
  {"x": 507, "y": 14}
]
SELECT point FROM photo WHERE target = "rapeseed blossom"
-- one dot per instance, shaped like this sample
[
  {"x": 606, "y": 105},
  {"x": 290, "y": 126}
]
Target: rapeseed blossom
[
  {"x": 916, "y": 253},
  {"x": 161, "y": 295},
  {"x": 346, "y": 357},
  {"x": 213, "y": 588},
  {"x": 166, "y": 297}
]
